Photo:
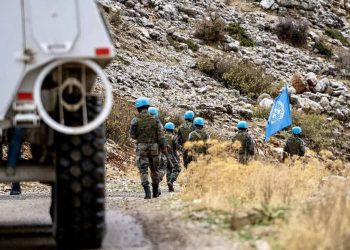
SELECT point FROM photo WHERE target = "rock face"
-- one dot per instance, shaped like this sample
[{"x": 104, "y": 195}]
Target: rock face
[{"x": 157, "y": 54}]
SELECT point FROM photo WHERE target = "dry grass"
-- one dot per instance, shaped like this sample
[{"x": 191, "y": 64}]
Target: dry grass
[
  {"x": 118, "y": 123},
  {"x": 323, "y": 224},
  {"x": 220, "y": 182},
  {"x": 315, "y": 213},
  {"x": 211, "y": 28}
]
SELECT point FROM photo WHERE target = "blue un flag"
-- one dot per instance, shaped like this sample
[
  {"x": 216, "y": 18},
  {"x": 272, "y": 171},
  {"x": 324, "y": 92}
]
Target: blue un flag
[{"x": 280, "y": 115}]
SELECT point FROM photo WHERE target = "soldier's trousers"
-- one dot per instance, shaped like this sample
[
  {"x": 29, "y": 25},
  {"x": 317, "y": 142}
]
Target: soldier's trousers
[
  {"x": 147, "y": 158},
  {"x": 186, "y": 158},
  {"x": 243, "y": 158},
  {"x": 171, "y": 169}
]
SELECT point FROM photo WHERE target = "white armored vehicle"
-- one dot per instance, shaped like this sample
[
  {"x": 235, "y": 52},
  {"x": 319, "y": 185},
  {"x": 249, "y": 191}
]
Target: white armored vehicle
[{"x": 52, "y": 54}]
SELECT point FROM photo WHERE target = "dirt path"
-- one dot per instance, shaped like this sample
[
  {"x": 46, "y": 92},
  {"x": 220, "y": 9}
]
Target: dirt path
[{"x": 133, "y": 223}]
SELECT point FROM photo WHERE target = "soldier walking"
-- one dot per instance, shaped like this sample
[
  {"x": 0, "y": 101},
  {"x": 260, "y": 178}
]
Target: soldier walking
[
  {"x": 246, "y": 150},
  {"x": 199, "y": 134},
  {"x": 183, "y": 133},
  {"x": 171, "y": 160},
  {"x": 149, "y": 136},
  {"x": 294, "y": 145}
]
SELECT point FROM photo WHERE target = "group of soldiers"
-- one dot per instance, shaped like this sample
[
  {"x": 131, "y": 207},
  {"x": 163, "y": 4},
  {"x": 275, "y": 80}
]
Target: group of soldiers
[{"x": 157, "y": 146}]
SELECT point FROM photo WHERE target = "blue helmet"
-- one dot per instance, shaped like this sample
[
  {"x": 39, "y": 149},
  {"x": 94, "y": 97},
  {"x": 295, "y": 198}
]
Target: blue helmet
[
  {"x": 242, "y": 125},
  {"x": 141, "y": 102},
  {"x": 199, "y": 121},
  {"x": 189, "y": 115},
  {"x": 169, "y": 126},
  {"x": 153, "y": 111},
  {"x": 296, "y": 130}
]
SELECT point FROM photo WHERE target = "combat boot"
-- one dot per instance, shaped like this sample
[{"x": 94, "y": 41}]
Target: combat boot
[
  {"x": 147, "y": 191},
  {"x": 171, "y": 186},
  {"x": 15, "y": 188},
  {"x": 155, "y": 188}
]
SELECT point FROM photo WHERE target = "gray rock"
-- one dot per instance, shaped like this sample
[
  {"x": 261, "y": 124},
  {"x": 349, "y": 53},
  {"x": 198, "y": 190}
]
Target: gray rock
[
  {"x": 322, "y": 85},
  {"x": 325, "y": 103},
  {"x": 311, "y": 79},
  {"x": 266, "y": 103},
  {"x": 263, "y": 96},
  {"x": 234, "y": 46},
  {"x": 267, "y": 4},
  {"x": 262, "y": 245}
]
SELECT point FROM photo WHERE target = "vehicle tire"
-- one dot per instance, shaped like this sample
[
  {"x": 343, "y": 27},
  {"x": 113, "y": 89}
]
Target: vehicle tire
[{"x": 78, "y": 200}]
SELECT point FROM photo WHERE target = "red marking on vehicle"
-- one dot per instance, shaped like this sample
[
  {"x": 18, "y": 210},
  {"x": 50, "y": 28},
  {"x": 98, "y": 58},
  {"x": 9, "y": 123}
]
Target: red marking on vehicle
[
  {"x": 102, "y": 51},
  {"x": 25, "y": 96}
]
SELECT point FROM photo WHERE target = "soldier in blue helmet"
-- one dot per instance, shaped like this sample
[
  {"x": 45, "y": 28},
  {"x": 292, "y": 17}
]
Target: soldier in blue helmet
[
  {"x": 294, "y": 145},
  {"x": 171, "y": 160},
  {"x": 182, "y": 135},
  {"x": 149, "y": 136},
  {"x": 246, "y": 150},
  {"x": 199, "y": 134}
]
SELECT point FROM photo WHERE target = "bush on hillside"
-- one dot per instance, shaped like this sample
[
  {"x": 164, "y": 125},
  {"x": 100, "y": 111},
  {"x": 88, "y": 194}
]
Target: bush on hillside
[
  {"x": 169, "y": 116},
  {"x": 242, "y": 75},
  {"x": 317, "y": 135},
  {"x": 343, "y": 60},
  {"x": 336, "y": 34},
  {"x": 118, "y": 122},
  {"x": 292, "y": 31},
  {"x": 248, "y": 78},
  {"x": 239, "y": 34},
  {"x": 323, "y": 49},
  {"x": 211, "y": 29}
]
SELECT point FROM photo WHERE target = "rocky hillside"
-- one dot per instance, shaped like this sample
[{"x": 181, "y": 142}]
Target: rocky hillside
[{"x": 158, "y": 52}]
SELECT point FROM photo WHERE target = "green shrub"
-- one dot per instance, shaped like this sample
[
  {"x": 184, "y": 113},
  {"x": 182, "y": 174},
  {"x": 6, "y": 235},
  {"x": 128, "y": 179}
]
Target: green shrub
[
  {"x": 215, "y": 67},
  {"x": 248, "y": 78},
  {"x": 211, "y": 30},
  {"x": 192, "y": 45},
  {"x": 292, "y": 31},
  {"x": 261, "y": 112},
  {"x": 118, "y": 122},
  {"x": 317, "y": 134},
  {"x": 242, "y": 75},
  {"x": 336, "y": 34},
  {"x": 174, "y": 43},
  {"x": 239, "y": 34},
  {"x": 323, "y": 49}
]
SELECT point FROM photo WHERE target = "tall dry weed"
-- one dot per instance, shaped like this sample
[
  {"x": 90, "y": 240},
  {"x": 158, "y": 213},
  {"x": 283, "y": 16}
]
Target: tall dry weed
[{"x": 321, "y": 224}]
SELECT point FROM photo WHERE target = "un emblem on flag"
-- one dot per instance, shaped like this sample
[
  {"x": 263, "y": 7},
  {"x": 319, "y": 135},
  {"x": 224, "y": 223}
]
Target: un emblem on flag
[{"x": 278, "y": 112}]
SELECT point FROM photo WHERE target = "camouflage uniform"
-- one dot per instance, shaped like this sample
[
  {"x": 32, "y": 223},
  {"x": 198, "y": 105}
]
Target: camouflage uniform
[
  {"x": 294, "y": 146},
  {"x": 148, "y": 133},
  {"x": 198, "y": 135},
  {"x": 170, "y": 161},
  {"x": 182, "y": 137},
  {"x": 247, "y": 146}
]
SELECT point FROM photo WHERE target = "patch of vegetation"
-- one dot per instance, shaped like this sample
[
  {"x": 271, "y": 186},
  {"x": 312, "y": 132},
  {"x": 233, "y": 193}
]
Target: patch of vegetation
[
  {"x": 292, "y": 31},
  {"x": 242, "y": 75},
  {"x": 248, "y": 78},
  {"x": 317, "y": 135},
  {"x": 118, "y": 122},
  {"x": 192, "y": 45},
  {"x": 122, "y": 60},
  {"x": 343, "y": 60},
  {"x": 211, "y": 29},
  {"x": 336, "y": 34},
  {"x": 174, "y": 43},
  {"x": 323, "y": 49},
  {"x": 239, "y": 34},
  {"x": 261, "y": 112}
]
